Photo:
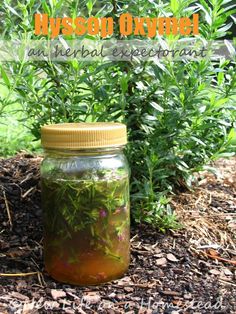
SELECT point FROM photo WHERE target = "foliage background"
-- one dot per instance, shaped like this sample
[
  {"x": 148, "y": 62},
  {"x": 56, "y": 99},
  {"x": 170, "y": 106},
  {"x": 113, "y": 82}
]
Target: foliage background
[{"x": 180, "y": 115}]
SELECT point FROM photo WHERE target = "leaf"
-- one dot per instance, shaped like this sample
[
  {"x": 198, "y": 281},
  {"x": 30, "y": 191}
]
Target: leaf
[
  {"x": 124, "y": 84},
  {"x": 51, "y": 2},
  {"x": 140, "y": 85},
  {"x": 223, "y": 30},
  {"x": 156, "y": 106},
  {"x": 174, "y": 4},
  {"x": 157, "y": 65},
  {"x": 225, "y": 155},
  {"x": 220, "y": 78},
  {"x": 12, "y": 10},
  {"x": 230, "y": 48},
  {"x": 197, "y": 140},
  {"x": 63, "y": 42},
  {"x": 107, "y": 8},
  {"x": 5, "y": 78},
  {"x": 220, "y": 102},
  {"x": 234, "y": 19},
  {"x": 46, "y": 7},
  {"x": 233, "y": 6},
  {"x": 226, "y": 1},
  {"x": 89, "y": 6},
  {"x": 207, "y": 14},
  {"x": 232, "y": 136}
]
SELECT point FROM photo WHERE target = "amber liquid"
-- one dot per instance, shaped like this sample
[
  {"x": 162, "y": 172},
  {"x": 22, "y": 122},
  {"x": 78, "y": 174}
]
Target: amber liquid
[
  {"x": 81, "y": 264},
  {"x": 91, "y": 256}
]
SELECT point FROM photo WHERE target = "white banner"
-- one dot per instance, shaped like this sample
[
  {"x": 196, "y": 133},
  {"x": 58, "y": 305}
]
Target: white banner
[{"x": 115, "y": 50}]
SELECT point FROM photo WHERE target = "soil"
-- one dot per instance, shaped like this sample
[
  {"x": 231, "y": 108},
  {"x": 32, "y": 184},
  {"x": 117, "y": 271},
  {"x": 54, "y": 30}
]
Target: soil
[{"x": 190, "y": 270}]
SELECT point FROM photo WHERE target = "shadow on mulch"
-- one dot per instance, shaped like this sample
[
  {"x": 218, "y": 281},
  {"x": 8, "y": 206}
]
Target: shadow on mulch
[{"x": 180, "y": 272}]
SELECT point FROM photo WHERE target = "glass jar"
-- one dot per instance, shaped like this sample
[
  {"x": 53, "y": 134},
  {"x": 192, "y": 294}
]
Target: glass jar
[{"x": 85, "y": 199}]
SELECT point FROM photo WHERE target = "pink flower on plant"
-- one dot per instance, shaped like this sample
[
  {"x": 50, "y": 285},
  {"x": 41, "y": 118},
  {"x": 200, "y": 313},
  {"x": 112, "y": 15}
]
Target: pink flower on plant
[
  {"x": 102, "y": 213},
  {"x": 121, "y": 237}
]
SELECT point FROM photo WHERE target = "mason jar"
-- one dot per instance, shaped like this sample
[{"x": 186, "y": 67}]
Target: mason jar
[{"x": 85, "y": 200}]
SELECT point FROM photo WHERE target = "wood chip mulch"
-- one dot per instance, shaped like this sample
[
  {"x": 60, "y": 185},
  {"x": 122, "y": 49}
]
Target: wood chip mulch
[{"x": 192, "y": 270}]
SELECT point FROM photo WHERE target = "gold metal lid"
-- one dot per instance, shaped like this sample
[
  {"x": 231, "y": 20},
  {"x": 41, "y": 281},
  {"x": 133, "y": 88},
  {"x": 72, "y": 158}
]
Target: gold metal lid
[{"x": 83, "y": 135}]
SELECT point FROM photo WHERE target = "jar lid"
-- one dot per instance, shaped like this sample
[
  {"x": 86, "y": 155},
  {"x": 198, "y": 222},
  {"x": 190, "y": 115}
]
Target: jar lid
[{"x": 83, "y": 135}]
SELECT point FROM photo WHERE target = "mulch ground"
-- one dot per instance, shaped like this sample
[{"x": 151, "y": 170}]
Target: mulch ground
[{"x": 192, "y": 270}]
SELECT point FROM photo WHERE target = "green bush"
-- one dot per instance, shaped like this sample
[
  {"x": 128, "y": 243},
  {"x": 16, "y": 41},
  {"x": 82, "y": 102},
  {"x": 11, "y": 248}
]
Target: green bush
[{"x": 180, "y": 115}]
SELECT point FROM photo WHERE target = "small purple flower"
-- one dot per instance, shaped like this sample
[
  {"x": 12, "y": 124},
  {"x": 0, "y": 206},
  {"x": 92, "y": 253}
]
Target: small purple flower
[
  {"x": 102, "y": 213},
  {"x": 121, "y": 237}
]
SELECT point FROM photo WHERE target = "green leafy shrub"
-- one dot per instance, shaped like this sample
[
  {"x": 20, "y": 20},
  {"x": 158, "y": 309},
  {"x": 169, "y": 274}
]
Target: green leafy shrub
[{"x": 180, "y": 115}]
